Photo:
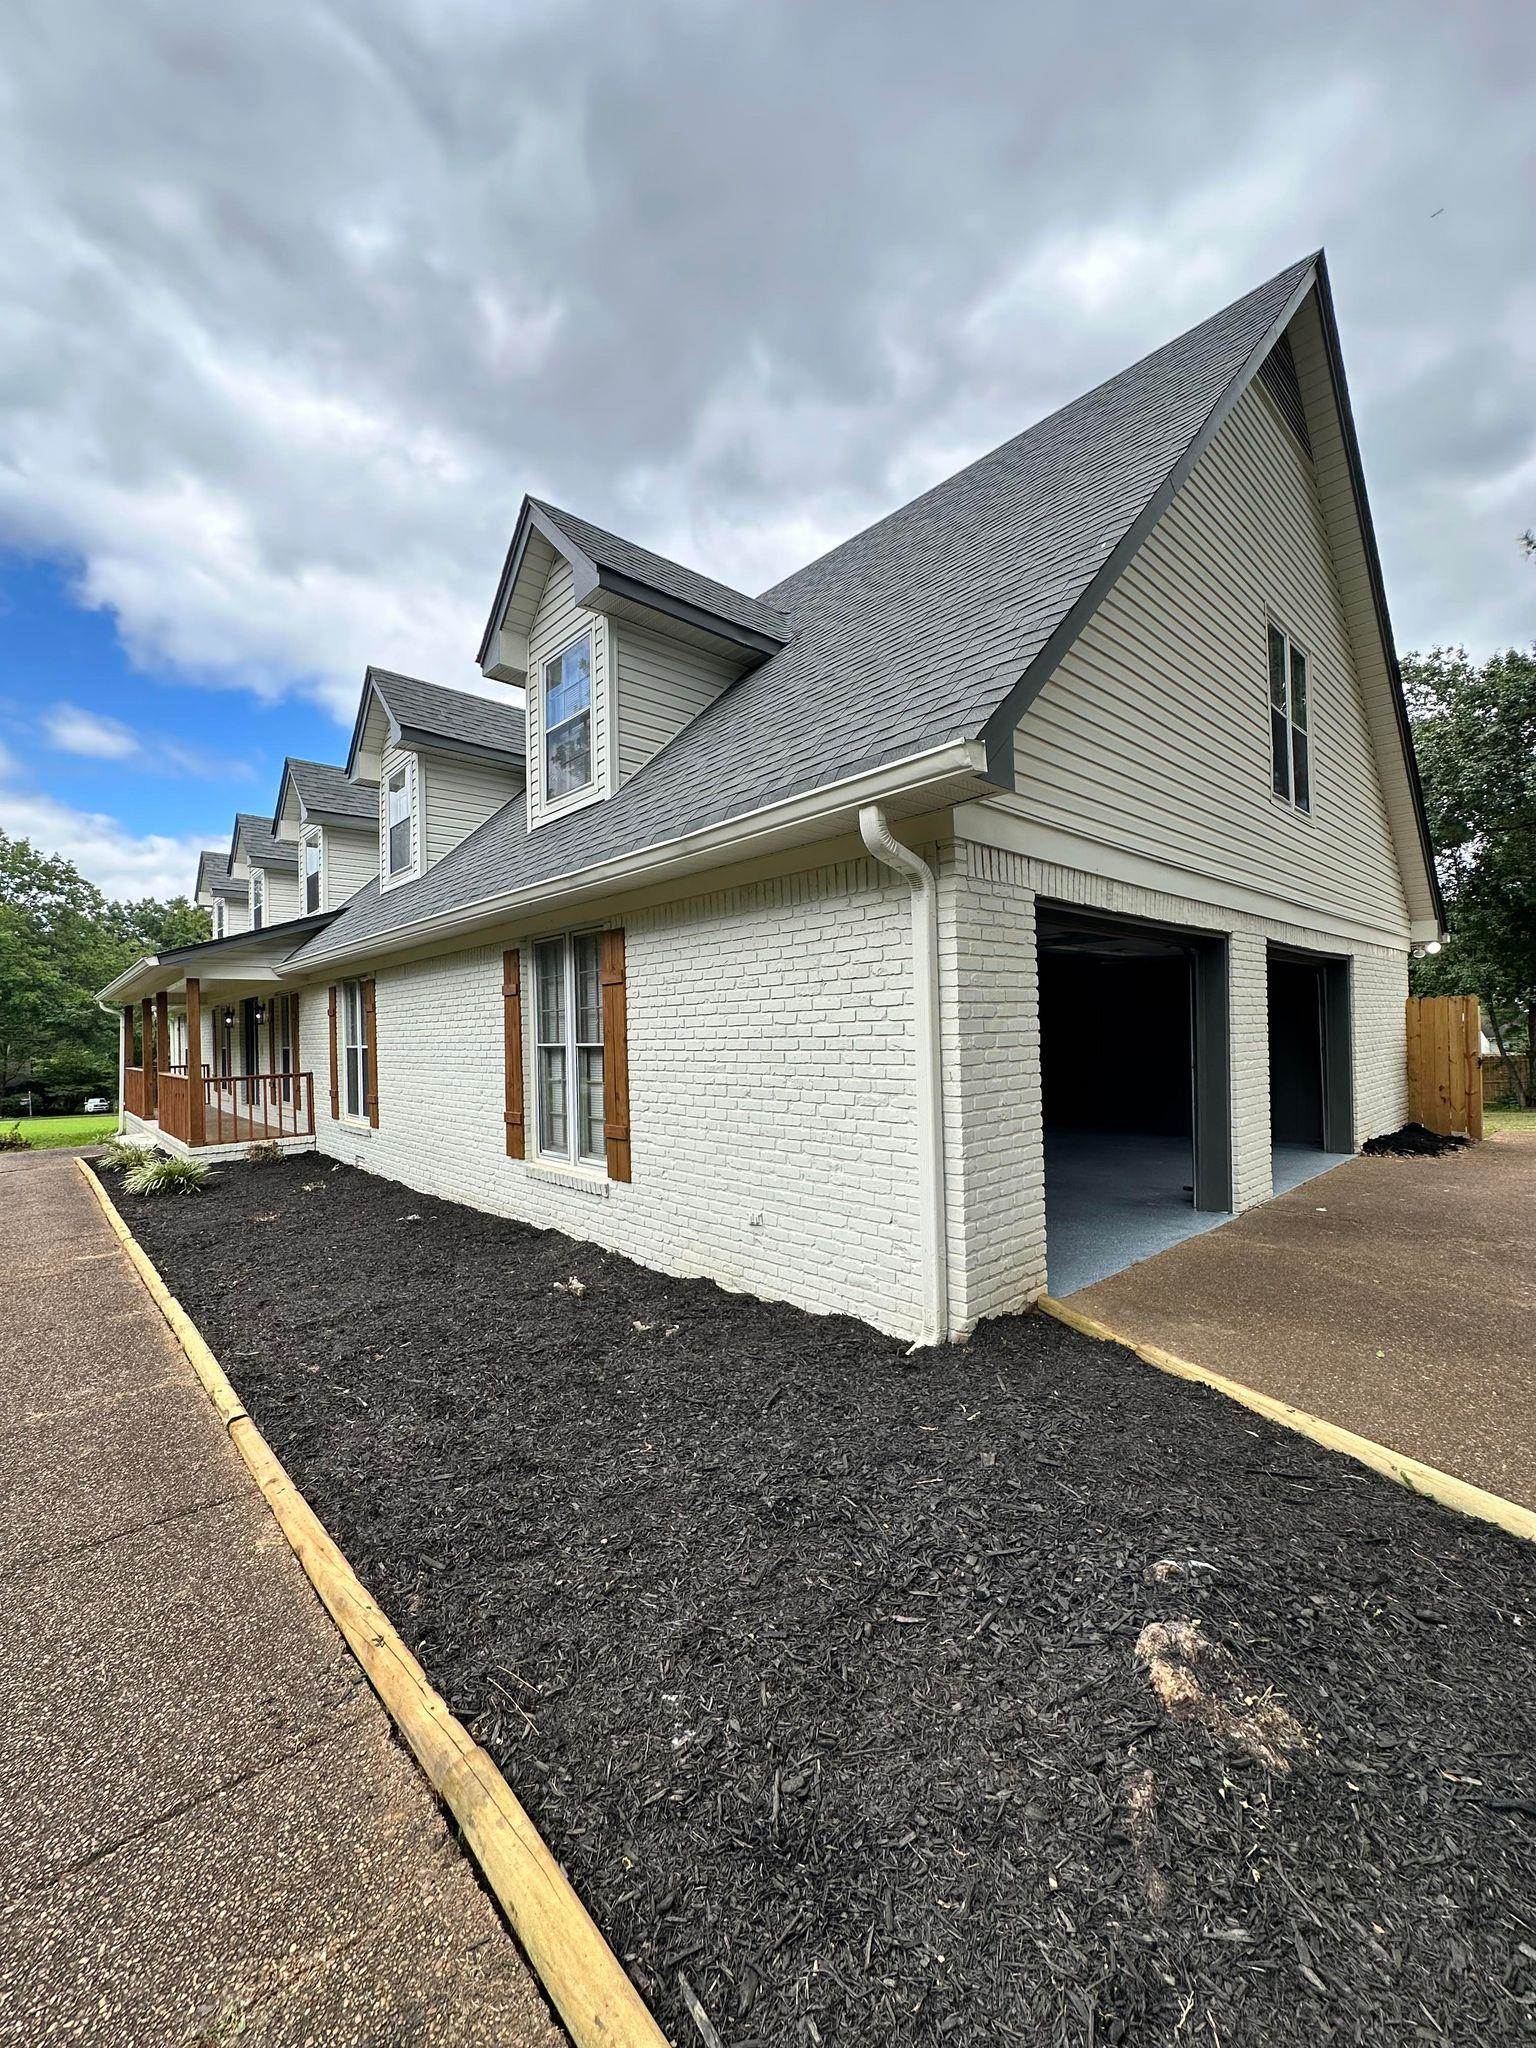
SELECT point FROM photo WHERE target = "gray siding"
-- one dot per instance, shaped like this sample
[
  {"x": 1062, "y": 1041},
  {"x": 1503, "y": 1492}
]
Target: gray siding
[
  {"x": 662, "y": 685},
  {"x": 1153, "y": 734},
  {"x": 349, "y": 859},
  {"x": 457, "y": 795}
]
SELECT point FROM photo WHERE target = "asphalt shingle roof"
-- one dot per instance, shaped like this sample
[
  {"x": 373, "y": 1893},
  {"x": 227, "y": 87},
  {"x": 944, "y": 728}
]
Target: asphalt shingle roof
[
  {"x": 324, "y": 788},
  {"x": 429, "y": 709},
  {"x": 261, "y": 846},
  {"x": 612, "y": 551},
  {"x": 909, "y": 635},
  {"x": 212, "y": 865}
]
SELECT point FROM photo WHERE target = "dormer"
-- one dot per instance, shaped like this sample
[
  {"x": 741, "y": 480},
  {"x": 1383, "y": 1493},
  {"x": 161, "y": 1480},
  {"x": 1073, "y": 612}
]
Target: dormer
[
  {"x": 442, "y": 762},
  {"x": 225, "y": 897},
  {"x": 332, "y": 822},
  {"x": 269, "y": 868},
  {"x": 615, "y": 650}
]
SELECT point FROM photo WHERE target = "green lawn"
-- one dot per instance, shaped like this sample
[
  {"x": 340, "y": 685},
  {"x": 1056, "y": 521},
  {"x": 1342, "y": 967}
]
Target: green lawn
[
  {"x": 1509, "y": 1120},
  {"x": 43, "y": 1132}
]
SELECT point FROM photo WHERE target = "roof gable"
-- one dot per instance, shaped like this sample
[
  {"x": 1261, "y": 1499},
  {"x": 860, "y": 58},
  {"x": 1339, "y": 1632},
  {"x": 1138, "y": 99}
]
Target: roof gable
[
  {"x": 937, "y": 624},
  {"x": 317, "y": 790},
  {"x": 418, "y": 714}
]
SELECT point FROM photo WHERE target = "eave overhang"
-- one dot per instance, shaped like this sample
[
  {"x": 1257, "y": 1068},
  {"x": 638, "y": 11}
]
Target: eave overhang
[{"x": 244, "y": 957}]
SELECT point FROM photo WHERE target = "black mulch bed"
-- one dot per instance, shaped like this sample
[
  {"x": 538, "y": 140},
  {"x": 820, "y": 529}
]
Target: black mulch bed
[
  {"x": 1413, "y": 1141},
  {"x": 866, "y": 1693}
]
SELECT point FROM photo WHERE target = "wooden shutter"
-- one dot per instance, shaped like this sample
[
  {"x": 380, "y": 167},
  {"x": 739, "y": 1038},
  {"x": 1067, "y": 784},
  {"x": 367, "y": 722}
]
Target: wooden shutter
[
  {"x": 335, "y": 1080},
  {"x": 615, "y": 1055},
  {"x": 371, "y": 1028},
  {"x": 512, "y": 1049}
]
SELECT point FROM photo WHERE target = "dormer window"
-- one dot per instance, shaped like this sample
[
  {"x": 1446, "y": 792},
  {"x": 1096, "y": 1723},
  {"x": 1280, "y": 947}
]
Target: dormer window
[
  {"x": 568, "y": 720},
  {"x": 312, "y": 872},
  {"x": 218, "y": 918},
  {"x": 397, "y": 819},
  {"x": 257, "y": 898}
]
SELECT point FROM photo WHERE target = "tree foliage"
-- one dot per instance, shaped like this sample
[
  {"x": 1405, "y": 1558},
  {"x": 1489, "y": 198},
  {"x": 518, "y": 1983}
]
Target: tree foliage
[
  {"x": 61, "y": 940},
  {"x": 1474, "y": 728}
]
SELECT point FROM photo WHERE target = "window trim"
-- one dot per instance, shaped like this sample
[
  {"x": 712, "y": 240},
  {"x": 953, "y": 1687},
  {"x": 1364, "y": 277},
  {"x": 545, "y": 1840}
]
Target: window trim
[
  {"x": 571, "y": 1156},
  {"x": 403, "y": 764},
  {"x": 220, "y": 917},
  {"x": 349, "y": 991},
  {"x": 1294, "y": 730},
  {"x": 582, "y": 790},
  {"x": 256, "y": 896},
  {"x": 312, "y": 840}
]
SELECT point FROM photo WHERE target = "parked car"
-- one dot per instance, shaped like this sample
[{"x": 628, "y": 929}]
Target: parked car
[{"x": 97, "y": 1105}]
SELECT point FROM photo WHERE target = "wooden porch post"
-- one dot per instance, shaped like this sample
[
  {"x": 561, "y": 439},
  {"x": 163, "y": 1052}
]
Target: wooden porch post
[
  {"x": 195, "y": 1126},
  {"x": 147, "y": 1027},
  {"x": 162, "y": 1038}
]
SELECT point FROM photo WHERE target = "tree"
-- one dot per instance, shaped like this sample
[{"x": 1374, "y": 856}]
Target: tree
[
  {"x": 60, "y": 941},
  {"x": 1474, "y": 728}
]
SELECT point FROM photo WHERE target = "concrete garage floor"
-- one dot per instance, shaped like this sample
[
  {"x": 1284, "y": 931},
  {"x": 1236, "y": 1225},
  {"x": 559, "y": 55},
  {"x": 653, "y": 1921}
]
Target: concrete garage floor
[
  {"x": 207, "y": 1829},
  {"x": 1396, "y": 1296},
  {"x": 1112, "y": 1197}
]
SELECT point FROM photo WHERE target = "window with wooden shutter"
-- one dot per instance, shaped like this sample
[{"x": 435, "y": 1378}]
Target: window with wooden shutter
[
  {"x": 615, "y": 1055},
  {"x": 335, "y": 1066},
  {"x": 512, "y": 1050}
]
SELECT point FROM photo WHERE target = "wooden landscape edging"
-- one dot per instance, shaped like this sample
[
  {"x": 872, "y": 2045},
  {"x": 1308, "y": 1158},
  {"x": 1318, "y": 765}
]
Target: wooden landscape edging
[
  {"x": 1412, "y": 1473},
  {"x": 584, "y": 1979}
]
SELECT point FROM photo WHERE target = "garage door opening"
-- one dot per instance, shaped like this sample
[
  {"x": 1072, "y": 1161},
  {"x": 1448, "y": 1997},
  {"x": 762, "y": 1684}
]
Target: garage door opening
[
  {"x": 1133, "y": 1053},
  {"x": 1310, "y": 1107}
]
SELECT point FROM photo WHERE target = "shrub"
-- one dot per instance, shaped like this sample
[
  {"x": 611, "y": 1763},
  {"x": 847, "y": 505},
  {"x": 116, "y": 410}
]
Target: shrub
[
  {"x": 266, "y": 1153},
  {"x": 157, "y": 1176},
  {"x": 11, "y": 1139},
  {"x": 119, "y": 1153}
]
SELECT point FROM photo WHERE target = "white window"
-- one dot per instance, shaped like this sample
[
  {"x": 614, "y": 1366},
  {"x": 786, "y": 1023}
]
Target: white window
[
  {"x": 257, "y": 898},
  {"x": 568, "y": 1028},
  {"x": 397, "y": 820},
  {"x": 312, "y": 872},
  {"x": 218, "y": 918},
  {"x": 1290, "y": 752},
  {"x": 354, "y": 1018},
  {"x": 568, "y": 720}
]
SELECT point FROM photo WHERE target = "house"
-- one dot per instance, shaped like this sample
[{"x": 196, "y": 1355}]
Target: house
[
  {"x": 221, "y": 894},
  {"x": 1025, "y": 883}
]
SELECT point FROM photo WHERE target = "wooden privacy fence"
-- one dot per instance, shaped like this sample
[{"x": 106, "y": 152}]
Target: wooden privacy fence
[
  {"x": 1445, "y": 1073},
  {"x": 1499, "y": 1090}
]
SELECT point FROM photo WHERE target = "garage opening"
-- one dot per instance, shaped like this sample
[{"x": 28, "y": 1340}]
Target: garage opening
[
  {"x": 1311, "y": 1117},
  {"x": 1133, "y": 1053}
]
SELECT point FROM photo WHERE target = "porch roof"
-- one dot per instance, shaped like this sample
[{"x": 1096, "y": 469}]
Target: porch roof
[{"x": 243, "y": 964}]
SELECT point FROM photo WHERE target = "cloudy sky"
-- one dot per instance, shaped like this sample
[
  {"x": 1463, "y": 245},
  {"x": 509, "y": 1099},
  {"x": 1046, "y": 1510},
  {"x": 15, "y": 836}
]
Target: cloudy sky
[{"x": 299, "y": 301}]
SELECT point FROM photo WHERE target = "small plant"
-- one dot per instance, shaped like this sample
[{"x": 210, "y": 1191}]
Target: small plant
[
  {"x": 119, "y": 1153},
  {"x": 266, "y": 1153},
  {"x": 157, "y": 1176},
  {"x": 11, "y": 1139}
]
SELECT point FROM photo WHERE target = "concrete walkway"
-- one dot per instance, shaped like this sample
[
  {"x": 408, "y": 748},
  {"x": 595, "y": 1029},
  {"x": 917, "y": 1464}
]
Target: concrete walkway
[
  {"x": 1394, "y": 1296},
  {"x": 208, "y": 1833}
]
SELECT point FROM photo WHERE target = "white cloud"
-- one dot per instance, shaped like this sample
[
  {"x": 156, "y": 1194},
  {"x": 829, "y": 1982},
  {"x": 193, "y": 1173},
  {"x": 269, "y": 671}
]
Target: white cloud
[
  {"x": 74, "y": 730},
  {"x": 294, "y": 316},
  {"x": 119, "y": 862},
  {"x": 83, "y": 732}
]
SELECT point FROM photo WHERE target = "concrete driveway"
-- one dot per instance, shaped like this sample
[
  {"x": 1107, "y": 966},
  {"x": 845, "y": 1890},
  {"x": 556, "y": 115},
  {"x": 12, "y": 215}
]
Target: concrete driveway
[
  {"x": 208, "y": 1832},
  {"x": 1394, "y": 1296}
]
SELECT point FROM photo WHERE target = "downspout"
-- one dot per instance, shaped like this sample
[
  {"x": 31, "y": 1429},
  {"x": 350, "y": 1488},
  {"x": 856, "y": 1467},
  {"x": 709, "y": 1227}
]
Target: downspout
[{"x": 877, "y": 836}]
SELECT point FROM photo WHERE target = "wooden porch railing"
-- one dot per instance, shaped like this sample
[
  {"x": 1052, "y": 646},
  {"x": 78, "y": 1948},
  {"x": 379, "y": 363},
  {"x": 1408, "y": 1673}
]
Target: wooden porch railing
[
  {"x": 248, "y": 1109},
  {"x": 135, "y": 1092},
  {"x": 173, "y": 1115}
]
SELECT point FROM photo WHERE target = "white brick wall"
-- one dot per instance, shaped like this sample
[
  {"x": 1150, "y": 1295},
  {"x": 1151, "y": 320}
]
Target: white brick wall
[
  {"x": 772, "y": 1094},
  {"x": 995, "y": 1167}
]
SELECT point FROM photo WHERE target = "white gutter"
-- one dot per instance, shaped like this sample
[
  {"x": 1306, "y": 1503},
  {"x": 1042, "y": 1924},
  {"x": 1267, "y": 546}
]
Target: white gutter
[
  {"x": 938, "y": 776},
  {"x": 877, "y": 836}
]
